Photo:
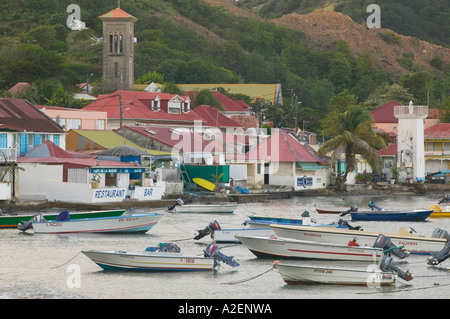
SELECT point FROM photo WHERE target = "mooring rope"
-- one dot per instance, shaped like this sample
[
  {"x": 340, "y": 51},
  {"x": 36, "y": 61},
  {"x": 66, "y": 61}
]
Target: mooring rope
[
  {"x": 436, "y": 285},
  {"x": 67, "y": 261},
  {"x": 246, "y": 279}
]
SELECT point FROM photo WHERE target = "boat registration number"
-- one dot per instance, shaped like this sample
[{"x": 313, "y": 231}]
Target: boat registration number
[{"x": 187, "y": 260}]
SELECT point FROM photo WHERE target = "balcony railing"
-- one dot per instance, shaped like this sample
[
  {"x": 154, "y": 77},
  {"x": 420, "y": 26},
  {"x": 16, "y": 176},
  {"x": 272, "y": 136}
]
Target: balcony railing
[
  {"x": 411, "y": 110},
  {"x": 8, "y": 155}
]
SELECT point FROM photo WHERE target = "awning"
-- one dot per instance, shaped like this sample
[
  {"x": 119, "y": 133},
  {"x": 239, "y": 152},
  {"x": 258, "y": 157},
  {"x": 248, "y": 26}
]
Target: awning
[{"x": 309, "y": 166}]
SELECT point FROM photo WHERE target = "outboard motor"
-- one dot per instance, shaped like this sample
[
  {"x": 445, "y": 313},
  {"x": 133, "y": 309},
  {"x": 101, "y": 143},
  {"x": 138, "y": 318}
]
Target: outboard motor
[
  {"x": 210, "y": 229},
  {"x": 23, "y": 226},
  {"x": 345, "y": 223},
  {"x": 387, "y": 264},
  {"x": 179, "y": 202},
  {"x": 440, "y": 256},
  {"x": 213, "y": 251},
  {"x": 441, "y": 233},
  {"x": 446, "y": 199},
  {"x": 373, "y": 206},
  {"x": 352, "y": 209},
  {"x": 388, "y": 247}
]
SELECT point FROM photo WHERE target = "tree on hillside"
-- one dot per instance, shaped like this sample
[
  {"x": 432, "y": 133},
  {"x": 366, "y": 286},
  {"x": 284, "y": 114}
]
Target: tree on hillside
[
  {"x": 353, "y": 134},
  {"x": 205, "y": 97}
]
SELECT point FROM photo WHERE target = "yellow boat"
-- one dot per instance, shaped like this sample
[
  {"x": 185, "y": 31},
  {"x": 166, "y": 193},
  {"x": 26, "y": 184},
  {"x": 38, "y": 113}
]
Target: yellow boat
[
  {"x": 438, "y": 212},
  {"x": 204, "y": 183}
]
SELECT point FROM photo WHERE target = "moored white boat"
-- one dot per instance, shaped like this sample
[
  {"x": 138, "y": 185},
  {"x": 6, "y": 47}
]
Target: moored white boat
[
  {"x": 163, "y": 261},
  {"x": 272, "y": 247},
  {"x": 164, "y": 257},
  {"x": 304, "y": 275},
  {"x": 229, "y": 235},
  {"x": 412, "y": 243},
  {"x": 206, "y": 208},
  {"x": 126, "y": 223}
]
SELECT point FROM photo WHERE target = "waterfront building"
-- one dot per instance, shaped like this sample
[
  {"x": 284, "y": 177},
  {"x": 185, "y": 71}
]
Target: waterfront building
[
  {"x": 50, "y": 173},
  {"x": 288, "y": 162}
]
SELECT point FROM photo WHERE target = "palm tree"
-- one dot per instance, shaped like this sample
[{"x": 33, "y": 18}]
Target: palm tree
[{"x": 353, "y": 134}]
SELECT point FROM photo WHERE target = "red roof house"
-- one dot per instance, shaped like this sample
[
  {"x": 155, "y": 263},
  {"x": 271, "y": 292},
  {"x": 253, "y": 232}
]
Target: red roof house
[
  {"x": 239, "y": 111},
  {"x": 19, "y": 87},
  {"x": 439, "y": 131},
  {"x": 291, "y": 163},
  {"x": 385, "y": 120},
  {"x": 281, "y": 146},
  {"x": 145, "y": 107}
]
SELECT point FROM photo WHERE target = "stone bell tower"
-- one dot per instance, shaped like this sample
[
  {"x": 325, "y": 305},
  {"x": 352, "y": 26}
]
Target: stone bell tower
[{"x": 118, "y": 50}]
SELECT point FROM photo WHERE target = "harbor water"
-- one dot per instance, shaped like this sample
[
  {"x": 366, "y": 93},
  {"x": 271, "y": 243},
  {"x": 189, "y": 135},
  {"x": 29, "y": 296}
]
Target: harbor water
[{"x": 52, "y": 266}]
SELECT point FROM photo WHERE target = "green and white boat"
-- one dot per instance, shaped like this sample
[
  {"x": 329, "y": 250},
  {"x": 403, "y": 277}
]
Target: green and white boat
[{"x": 12, "y": 221}]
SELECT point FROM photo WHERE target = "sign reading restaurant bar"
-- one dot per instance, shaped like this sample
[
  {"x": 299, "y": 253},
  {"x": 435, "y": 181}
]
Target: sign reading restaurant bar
[{"x": 109, "y": 195}]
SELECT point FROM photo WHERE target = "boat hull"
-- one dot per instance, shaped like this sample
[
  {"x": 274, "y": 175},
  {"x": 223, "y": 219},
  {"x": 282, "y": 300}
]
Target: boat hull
[
  {"x": 438, "y": 212},
  {"x": 229, "y": 235},
  {"x": 416, "y": 215},
  {"x": 331, "y": 210},
  {"x": 414, "y": 244},
  {"x": 120, "y": 224},
  {"x": 271, "y": 247},
  {"x": 155, "y": 261},
  {"x": 307, "y": 275},
  {"x": 14, "y": 221},
  {"x": 223, "y": 209}
]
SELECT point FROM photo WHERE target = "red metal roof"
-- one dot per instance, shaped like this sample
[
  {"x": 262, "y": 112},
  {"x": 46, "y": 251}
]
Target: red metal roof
[
  {"x": 214, "y": 118},
  {"x": 49, "y": 153},
  {"x": 283, "y": 147},
  {"x": 183, "y": 141},
  {"x": 137, "y": 105},
  {"x": 438, "y": 131},
  {"x": 385, "y": 113},
  {"x": 19, "y": 87},
  {"x": 228, "y": 104},
  {"x": 390, "y": 150},
  {"x": 20, "y": 115}
]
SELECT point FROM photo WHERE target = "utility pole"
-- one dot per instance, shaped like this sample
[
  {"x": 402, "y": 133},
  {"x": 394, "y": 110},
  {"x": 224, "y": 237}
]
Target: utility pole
[
  {"x": 294, "y": 101},
  {"x": 121, "y": 109}
]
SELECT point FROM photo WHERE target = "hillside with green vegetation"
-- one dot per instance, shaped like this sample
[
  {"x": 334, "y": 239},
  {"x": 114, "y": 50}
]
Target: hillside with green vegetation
[{"x": 204, "y": 41}]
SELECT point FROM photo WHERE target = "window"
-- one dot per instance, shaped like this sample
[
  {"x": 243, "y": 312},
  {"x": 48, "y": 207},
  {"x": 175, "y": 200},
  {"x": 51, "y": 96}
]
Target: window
[
  {"x": 76, "y": 175},
  {"x": 73, "y": 124},
  {"x": 37, "y": 140},
  {"x": 116, "y": 43},
  {"x": 186, "y": 107},
  {"x": 174, "y": 107},
  {"x": 4, "y": 140},
  {"x": 56, "y": 140},
  {"x": 155, "y": 105},
  {"x": 120, "y": 43},
  {"x": 111, "y": 43},
  {"x": 100, "y": 124}
]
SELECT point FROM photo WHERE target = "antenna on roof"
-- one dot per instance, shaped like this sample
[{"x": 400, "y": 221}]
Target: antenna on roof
[{"x": 118, "y": 3}]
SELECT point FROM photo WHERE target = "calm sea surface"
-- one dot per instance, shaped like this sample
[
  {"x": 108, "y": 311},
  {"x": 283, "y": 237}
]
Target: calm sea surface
[{"x": 43, "y": 266}]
